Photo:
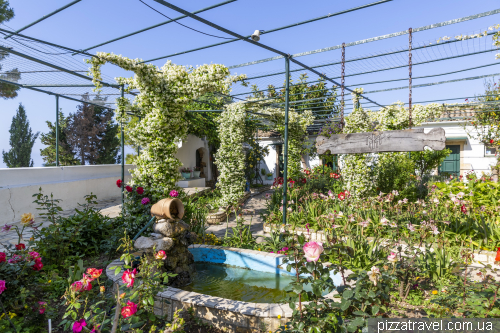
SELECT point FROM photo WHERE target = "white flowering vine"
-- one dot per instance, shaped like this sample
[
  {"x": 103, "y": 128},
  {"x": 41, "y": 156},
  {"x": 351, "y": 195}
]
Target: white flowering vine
[{"x": 164, "y": 95}]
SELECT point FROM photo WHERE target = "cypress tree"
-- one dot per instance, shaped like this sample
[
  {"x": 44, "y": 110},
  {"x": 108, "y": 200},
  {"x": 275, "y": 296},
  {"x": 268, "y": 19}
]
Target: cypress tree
[{"x": 21, "y": 140}]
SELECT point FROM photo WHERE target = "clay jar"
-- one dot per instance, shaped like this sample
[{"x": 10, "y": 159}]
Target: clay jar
[{"x": 169, "y": 208}]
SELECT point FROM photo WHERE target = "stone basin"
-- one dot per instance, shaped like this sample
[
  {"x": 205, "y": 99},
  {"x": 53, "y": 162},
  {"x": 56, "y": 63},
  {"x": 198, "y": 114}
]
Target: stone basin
[{"x": 236, "y": 316}]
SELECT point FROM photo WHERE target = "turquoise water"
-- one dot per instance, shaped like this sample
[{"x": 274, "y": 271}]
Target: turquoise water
[{"x": 238, "y": 284}]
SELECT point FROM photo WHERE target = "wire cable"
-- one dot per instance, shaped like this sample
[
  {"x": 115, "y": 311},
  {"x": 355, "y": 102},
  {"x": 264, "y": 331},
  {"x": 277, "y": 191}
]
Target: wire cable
[{"x": 185, "y": 26}]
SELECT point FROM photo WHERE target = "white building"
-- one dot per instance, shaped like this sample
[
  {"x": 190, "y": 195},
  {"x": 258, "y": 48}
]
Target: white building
[{"x": 468, "y": 154}]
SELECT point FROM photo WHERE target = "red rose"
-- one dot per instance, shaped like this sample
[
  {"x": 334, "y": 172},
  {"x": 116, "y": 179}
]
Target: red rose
[
  {"x": 3, "y": 257},
  {"x": 140, "y": 190},
  {"x": 38, "y": 264},
  {"x": 497, "y": 258},
  {"x": 491, "y": 141},
  {"x": 341, "y": 196},
  {"x": 119, "y": 183},
  {"x": 20, "y": 246},
  {"x": 128, "y": 188},
  {"x": 464, "y": 209}
]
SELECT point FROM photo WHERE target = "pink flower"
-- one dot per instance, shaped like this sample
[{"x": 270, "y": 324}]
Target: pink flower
[
  {"x": 463, "y": 209},
  {"x": 174, "y": 194},
  {"x": 94, "y": 272},
  {"x": 6, "y": 228},
  {"x": 33, "y": 255},
  {"x": 41, "y": 310},
  {"x": 77, "y": 286},
  {"x": 312, "y": 250},
  {"x": 145, "y": 201},
  {"x": 79, "y": 325},
  {"x": 3, "y": 257},
  {"x": 392, "y": 257},
  {"x": 38, "y": 264},
  {"x": 140, "y": 190},
  {"x": 2, "y": 286},
  {"x": 161, "y": 255},
  {"x": 364, "y": 224},
  {"x": 410, "y": 227},
  {"x": 128, "y": 188},
  {"x": 15, "y": 259},
  {"x": 384, "y": 221},
  {"x": 129, "y": 310},
  {"x": 86, "y": 282},
  {"x": 94, "y": 329},
  {"x": 128, "y": 277}
]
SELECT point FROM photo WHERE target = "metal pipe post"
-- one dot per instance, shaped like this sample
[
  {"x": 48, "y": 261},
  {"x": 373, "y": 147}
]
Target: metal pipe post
[
  {"x": 410, "y": 74},
  {"x": 139, "y": 147},
  {"x": 57, "y": 130},
  {"x": 285, "y": 151},
  {"x": 123, "y": 151},
  {"x": 342, "y": 75}
]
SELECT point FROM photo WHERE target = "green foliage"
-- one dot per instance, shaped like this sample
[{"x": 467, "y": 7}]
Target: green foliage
[
  {"x": 21, "y": 141},
  {"x": 241, "y": 235},
  {"x": 85, "y": 233},
  {"x": 66, "y": 156},
  {"x": 8, "y": 90}
]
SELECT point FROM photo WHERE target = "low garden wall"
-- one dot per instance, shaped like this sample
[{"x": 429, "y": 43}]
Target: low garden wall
[{"x": 68, "y": 183}]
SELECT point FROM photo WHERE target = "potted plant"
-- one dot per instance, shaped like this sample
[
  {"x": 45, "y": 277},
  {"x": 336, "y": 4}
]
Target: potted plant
[
  {"x": 263, "y": 172},
  {"x": 197, "y": 171},
  {"x": 186, "y": 173},
  {"x": 269, "y": 176}
]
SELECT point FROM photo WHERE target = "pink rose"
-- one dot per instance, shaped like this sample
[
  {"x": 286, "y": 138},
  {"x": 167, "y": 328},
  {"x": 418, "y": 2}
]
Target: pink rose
[
  {"x": 42, "y": 305},
  {"x": 2, "y": 286},
  {"x": 94, "y": 272},
  {"x": 33, "y": 255},
  {"x": 312, "y": 250},
  {"x": 129, "y": 310},
  {"x": 392, "y": 257},
  {"x": 15, "y": 259},
  {"x": 79, "y": 325},
  {"x": 174, "y": 194},
  {"x": 77, "y": 286},
  {"x": 161, "y": 255},
  {"x": 145, "y": 201},
  {"x": 38, "y": 264},
  {"x": 128, "y": 277}
]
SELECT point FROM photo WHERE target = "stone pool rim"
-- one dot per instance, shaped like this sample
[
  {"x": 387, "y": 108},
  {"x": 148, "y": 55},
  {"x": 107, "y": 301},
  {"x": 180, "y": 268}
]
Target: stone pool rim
[{"x": 243, "y": 314}]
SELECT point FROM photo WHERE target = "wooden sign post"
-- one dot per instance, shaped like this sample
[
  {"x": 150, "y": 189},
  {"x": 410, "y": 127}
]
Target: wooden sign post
[{"x": 378, "y": 142}]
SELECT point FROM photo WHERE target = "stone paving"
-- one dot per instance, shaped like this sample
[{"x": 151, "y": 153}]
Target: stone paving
[{"x": 255, "y": 206}]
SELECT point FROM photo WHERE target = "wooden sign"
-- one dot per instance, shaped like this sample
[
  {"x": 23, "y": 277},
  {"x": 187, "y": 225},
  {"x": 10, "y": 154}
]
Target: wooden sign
[{"x": 377, "y": 142}]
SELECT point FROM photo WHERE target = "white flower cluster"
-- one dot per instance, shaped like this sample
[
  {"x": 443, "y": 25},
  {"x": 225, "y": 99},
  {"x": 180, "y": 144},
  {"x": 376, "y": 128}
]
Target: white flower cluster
[
  {"x": 358, "y": 170},
  {"x": 230, "y": 158},
  {"x": 164, "y": 95}
]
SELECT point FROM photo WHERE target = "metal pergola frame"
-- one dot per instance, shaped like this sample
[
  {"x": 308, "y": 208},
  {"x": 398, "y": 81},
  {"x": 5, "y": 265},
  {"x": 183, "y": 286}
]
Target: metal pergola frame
[{"x": 288, "y": 58}]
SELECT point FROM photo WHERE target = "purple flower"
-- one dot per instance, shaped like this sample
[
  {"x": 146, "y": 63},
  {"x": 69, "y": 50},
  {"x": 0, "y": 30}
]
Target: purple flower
[
  {"x": 145, "y": 201},
  {"x": 6, "y": 228},
  {"x": 174, "y": 194}
]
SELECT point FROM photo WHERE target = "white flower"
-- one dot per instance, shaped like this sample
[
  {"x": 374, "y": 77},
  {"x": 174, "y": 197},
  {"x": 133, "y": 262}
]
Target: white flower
[
  {"x": 410, "y": 227},
  {"x": 373, "y": 275},
  {"x": 384, "y": 221}
]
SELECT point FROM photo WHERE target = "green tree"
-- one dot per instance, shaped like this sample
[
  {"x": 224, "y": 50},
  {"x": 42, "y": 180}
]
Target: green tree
[
  {"x": 66, "y": 156},
  {"x": 91, "y": 133},
  {"x": 7, "y": 90},
  {"x": 109, "y": 145},
  {"x": 21, "y": 140}
]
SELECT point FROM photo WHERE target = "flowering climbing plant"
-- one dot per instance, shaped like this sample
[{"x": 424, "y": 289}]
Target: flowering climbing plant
[
  {"x": 230, "y": 158},
  {"x": 164, "y": 95},
  {"x": 359, "y": 170}
]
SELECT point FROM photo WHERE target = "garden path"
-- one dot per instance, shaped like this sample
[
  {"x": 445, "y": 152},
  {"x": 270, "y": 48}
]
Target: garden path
[{"x": 255, "y": 206}]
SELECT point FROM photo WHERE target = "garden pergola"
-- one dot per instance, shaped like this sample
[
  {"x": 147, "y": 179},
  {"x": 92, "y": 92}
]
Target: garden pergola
[{"x": 61, "y": 74}]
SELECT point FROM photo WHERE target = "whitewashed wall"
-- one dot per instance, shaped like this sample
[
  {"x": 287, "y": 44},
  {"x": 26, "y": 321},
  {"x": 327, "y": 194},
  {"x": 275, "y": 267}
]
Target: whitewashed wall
[
  {"x": 187, "y": 153},
  {"x": 69, "y": 183},
  {"x": 471, "y": 150}
]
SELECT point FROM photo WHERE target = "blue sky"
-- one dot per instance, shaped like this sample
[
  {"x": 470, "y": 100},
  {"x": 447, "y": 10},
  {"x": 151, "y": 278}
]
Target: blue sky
[{"x": 90, "y": 22}]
